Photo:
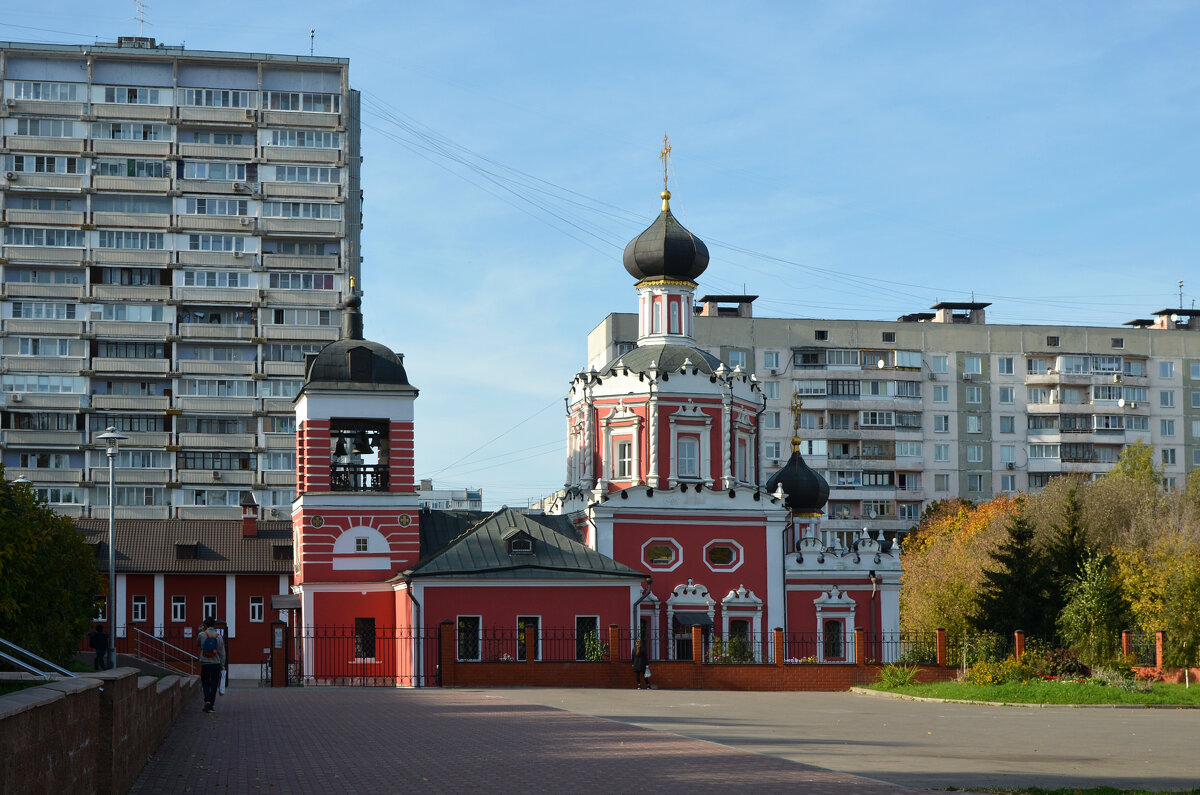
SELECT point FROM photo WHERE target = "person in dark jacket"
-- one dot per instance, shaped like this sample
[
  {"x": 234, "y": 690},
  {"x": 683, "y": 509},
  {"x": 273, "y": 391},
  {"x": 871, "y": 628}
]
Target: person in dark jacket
[
  {"x": 640, "y": 664},
  {"x": 98, "y": 640}
]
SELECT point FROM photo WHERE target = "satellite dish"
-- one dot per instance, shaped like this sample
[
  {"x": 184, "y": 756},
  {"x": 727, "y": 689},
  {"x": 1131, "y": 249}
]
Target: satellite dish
[
  {"x": 1121, "y": 403},
  {"x": 880, "y": 364},
  {"x": 872, "y": 514}
]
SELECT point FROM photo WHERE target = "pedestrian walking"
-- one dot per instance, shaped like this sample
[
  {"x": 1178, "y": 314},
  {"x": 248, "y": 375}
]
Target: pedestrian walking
[
  {"x": 212, "y": 660},
  {"x": 641, "y": 664},
  {"x": 98, "y": 640}
]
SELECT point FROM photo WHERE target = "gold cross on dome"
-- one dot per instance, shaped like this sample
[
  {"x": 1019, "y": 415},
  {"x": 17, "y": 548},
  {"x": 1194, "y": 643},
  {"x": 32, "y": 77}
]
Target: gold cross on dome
[{"x": 665, "y": 157}]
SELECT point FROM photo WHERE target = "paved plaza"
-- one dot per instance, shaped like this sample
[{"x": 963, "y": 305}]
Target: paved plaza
[{"x": 537, "y": 740}]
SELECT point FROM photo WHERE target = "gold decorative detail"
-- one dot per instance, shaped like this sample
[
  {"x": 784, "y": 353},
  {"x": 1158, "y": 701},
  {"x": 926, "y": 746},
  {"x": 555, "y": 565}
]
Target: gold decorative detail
[
  {"x": 404, "y": 519},
  {"x": 665, "y": 157},
  {"x": 667, "y": 282},
  {"x": 351, "y": 285},
  {"x": 797, "y": 404},
  {"x": 318, "y": 521}
]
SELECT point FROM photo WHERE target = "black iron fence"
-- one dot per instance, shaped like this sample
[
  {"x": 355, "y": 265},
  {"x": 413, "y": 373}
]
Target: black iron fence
[
  {"x": 508, "y": 644},
  {"x": 364, "y": 656}
]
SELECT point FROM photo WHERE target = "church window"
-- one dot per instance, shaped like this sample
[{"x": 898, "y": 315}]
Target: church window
[
  {"x": 659, "y": 555},
  {"x": 364, "y": 638},
  {"x": 687, "y": 457},
  {"x": 834, "y": 647},
  {"x": 179, "y": 608},
  {"x": 624, "y": 459},
  {"x": 721, "y": 555},
  {"x": 256, "y": 609},
  {"x": 139, "y": 608},
  {"x": 656, "y": 316},
  {"x": 468, "y": 638},
  {"x": 360, "y": 544},
  {"x": 741, "y": 461},
  {"x": 674, "y": 319}
]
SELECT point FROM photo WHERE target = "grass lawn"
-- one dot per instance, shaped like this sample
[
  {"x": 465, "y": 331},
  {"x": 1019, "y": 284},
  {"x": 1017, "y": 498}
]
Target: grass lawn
[{"x": 1043, "y": 692}]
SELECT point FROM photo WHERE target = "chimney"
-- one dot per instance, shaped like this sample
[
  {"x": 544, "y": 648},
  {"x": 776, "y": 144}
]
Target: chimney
[{"x": 249, "y": 515}]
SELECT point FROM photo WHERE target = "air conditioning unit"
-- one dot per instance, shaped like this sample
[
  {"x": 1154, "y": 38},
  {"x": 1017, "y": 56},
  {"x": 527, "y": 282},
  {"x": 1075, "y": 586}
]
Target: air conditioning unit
[
  {"x": 1117, "y": 378},
  {"x": 249, "y": 113},
  {"x": 239, "y": 187},
  {"x": 1133, "y": 405},
  {"x": 774, "y": 372},
  {"x": 16, "y": 397},
  {"x": 275, "y": 513},
  {"x": 1011, "y": 465},
  {"x": 247, "y": 221},
  {"x": 10, "y": 175},
  {"x": 216, "y": 474},
  {"x": 10, "y": 103},
  {"x": 238, "y": 255},
  {"x": 966, "y": 376}
]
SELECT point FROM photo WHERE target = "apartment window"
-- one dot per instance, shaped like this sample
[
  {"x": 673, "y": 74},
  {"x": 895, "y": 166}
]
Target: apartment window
[
  {"x": 223, "y": 172},
  {"x": 42, "y": 164},
  {"x": 1008, "y": 483},
  {"x": 1051, "y": 342},
  {"x": 941, "y": 482},
  {"x": 223, "y": 138},
  {"x": 939, "y": 364},
  {"x": 300, "y": 317},
  {"x": 687, "y": 457},
  {"x": 301, "y": 281},
  {"x": 1166, "y": 399},
  {"x": 216, "y": 98},
  {"x": 1008, "y": 425},
  {"x": 1007, "y": 394},
  {"x": 1166, "y": 369},
  {"x": 1196, "y": 400},
  {"x": 307, "y": 174},
  {"x": 737, "y": 359},
  {"x": 1008, "y": 453},
  {"x": 820, "y": 335},
  {"x": 842, "y": 388},
  {"x": 178, "y": 608},
  {"x": 1133, "y": 367},
  {"x": 231, "y": 243},
  {"x": 974, "y": 454},
  {"x": 131, "y": 131},
  {"x": 908, "y": 389},
  {"x": 1043, "y": 451},
  {"x": 209, "y": 206},
  {"x": 303, "y": 101},
  {"x": 771, "y": 450},
  {"x": 941, "y": 393},
  {"x": 216, "y": 279},
  {"x": 771, "y": 360},
  {"x": 139, "y": 609},
  {"x": 36, "y": 236},
  {"x": 53, "y": 92},
  {"x": 974, "y": 423},
  {"x": 46, "y": 128},
  {"x": 1166, "y": 427},
  {"x": 941, "y": 423},
  {"x": 972, "y": 364},
  {"x": 318, "y": 210},
  {"x": 1118, "y": 342},
  {"x": 1196, "y": 458},
  {"x": 975, "y": 483},
  {"x": 771, "y": 390},
  {"x": 304, "y": 139},
  {"x": 889, "y": 336},
  {"x": 770, "y": 420},
  {"x": 941, "y": 452},
  {"x": 1195, "y": 368},
  {"x": 1168, "y": 455},
  {"x": 624, "y": 457},
  {"x": 908, "y": 449},
  {"x": 974, "y": 394},
  {"x": 1004, "y": 365},
  {"x": 257, "y": 609},
  {"x": 839, "y": 421}
]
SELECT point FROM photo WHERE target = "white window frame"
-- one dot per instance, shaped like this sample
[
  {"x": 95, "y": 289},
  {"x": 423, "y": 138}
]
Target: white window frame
[
  {"x": 178, "y": 609},
  {"x": 258, "y": 609}
]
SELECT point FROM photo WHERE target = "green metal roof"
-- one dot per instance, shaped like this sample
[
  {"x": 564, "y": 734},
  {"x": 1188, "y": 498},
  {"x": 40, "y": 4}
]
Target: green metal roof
[{"x": 482, "y": 551}]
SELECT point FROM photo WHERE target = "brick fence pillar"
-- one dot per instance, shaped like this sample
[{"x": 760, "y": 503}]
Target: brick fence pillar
[
  {"x": 940, "y": 636},
  {"x": 614, "y": 655},
  {"x": 1126, "y": 642},
  {"x": 447, "y": 653},
  {"x": 530, "y": 645},
  {"x": 860, "y": 646},
  {"x": 697, "y": 645},
  {"x": 1160, "y": 638},
  {"x": 777, "y": 639},
  {"x": 1018, "y": 643}
]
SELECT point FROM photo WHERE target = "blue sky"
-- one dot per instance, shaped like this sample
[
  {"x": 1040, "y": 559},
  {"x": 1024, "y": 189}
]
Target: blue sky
[{"x": 841, "y": 159}]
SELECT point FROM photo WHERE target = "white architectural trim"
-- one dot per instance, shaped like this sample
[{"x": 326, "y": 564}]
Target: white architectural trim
[
  {"x": 617, "y": 424},
  {"x": 118, "y": 617},
  {"x": 835, "y": 605},
  {"x": 688, "y": 420},
  {"x": 231, "y": 607},
  {"x": 160, "y": 607},
  {"x": 743, "y": 603}
]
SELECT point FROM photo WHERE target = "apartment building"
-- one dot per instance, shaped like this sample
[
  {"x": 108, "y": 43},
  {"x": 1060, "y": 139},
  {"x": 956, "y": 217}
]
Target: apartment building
[
  {"x": 941, "y": 404},
  {"x": 180, "y": 229},
  {"x": 430, "y": 498}
]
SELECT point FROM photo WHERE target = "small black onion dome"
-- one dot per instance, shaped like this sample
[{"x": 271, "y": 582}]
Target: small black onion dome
[
  {"x": 804, "y": 489},
  {"x": 355, "y": 364},
  {"x": 665, "y": 250}
]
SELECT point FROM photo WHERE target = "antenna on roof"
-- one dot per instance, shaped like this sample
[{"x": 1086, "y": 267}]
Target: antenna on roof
[
  {"x": 1181, "y": 293},
  {"x": 312, "y": 35},
  {"x": 139, "y": 14}
]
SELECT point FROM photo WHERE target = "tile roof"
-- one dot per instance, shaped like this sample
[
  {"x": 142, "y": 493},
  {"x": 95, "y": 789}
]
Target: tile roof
[
  {"x": 483, "y": 552},
  {"x": 149, "y": 546}
]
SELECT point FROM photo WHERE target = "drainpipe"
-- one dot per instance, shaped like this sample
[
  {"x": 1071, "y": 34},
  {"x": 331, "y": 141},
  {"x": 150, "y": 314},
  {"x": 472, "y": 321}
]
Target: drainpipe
[
  {"x": 758, "y": 481},
  {"x": 645, "y": 592},
  {"x": 419, "y": 662}
]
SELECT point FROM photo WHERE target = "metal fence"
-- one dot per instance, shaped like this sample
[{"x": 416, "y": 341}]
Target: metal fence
[
  {"x": 1144, "y": 648},
  {"x": 365, "y": 656},
  {"x": 508, "y": 644}
]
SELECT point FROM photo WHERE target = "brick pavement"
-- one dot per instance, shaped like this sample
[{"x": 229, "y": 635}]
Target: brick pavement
[{"x": 382, "y": 740}]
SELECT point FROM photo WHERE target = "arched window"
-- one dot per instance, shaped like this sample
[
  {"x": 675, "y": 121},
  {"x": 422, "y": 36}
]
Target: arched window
[{"x": 674, "y": 317}]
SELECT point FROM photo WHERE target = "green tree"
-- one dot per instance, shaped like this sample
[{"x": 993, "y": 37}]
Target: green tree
[
  {"x": 1014, "y": 589},
  {"x": 1066, "y": 549},
  {"x": 48, "y": 576},
  {"x": 1095, "y": 612},
  {"x": 1136, "y": 463}
]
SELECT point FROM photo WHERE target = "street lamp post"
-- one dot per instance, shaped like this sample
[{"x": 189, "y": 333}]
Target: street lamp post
[{"x": 112, "y": 439}]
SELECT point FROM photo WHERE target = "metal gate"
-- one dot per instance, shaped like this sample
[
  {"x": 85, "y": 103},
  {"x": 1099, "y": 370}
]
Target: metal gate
[{"x": 365, "y": 656}]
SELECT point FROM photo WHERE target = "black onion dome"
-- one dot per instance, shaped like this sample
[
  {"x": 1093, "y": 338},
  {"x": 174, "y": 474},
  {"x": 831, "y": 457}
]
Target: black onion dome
[
  {"x": 665, "y": 250},
  {"x": 355, "y": 364},
  {"x": 665, "y": 357},
  {"x": 804, "y": 489}
]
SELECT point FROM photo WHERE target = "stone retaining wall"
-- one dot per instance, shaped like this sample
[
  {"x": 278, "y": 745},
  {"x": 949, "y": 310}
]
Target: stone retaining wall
[{"x": 87, "y": 734}]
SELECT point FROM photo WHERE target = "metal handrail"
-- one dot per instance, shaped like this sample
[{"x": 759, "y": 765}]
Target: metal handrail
[
  {"x": 31, "y": 655},
  {"x": 152, "y": 641}
]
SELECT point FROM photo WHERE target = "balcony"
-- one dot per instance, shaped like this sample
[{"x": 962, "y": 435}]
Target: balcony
[
  {"x": 299, "y": 118},
  {"x": 39, "y": 476},
  {"x": 42, "y": 400},
  {"x": 64, "y": 182},
  {"x": 44, "y": 107},
  {"x": 302, "y": 333},
  {"x": 115, "y": 292},
  {"x": 140, "y": 476},
  {"x": 301, "y": 190},
  {"x": 281, "y": 441},
  {"x": 105, "y": 364},
  {"x": 322, "y": 298},
  {"x": 19, "y": 325},
  {"x": 288, "y": 262},
  {"x": 217, "y": 223},
  {"x": 120, "y": 110},
  {"x": 139, "y": 439},
  {"x": 299, "y": 154},
  {"x": 278, "y": 405},
  {"x": 131, "y": 402},
  {"x": 305, "y": 226},
  {"x": 138, "y": 220},
  {"x": 121, "y": 328},
  {"x": 228, "y": 259},
  {"x": 238, "y": 405},
  {"x": 126, "y": 256},
  {"x": 221, "y": 116},
  {"x": 41, "y": 145},
  {"x": 215, "y": 331},
  {"x": 210, "y": 186},
  {"x": 40, "y": 254},
  {"x": 232, "y": 152},
  {"x": 279, "y": 478},
  {"x": 108, "y": 146},
  {"x": 45, "y": 217},
  {"x": 223, "y": 441},
  {"x": 44, "y": 364},
  {"x": 43, "y": 438},
  {"x": 100, "y": 511},
  {"x": 225, "y": 477},
  {"x": 29, "y": 290},
  {"x": 195, "y": 367},
  {"x": 294, "y": 369},
  {"x": 216, "y": 295}
]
